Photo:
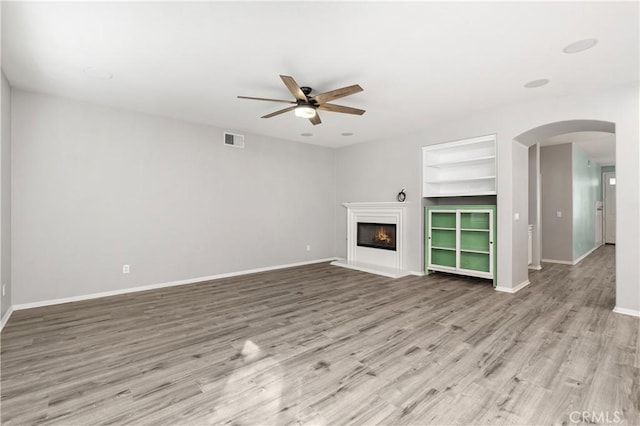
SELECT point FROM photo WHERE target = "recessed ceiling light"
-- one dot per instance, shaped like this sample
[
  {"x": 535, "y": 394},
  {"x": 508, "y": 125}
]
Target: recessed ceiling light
[
  {"x": 346, "y": 134},
  {"x": 536, "y": 83},
  {"x": 306, "y": 134},
  {"x": 581, "y": 45},
  {"x": 94, "y": 72}
]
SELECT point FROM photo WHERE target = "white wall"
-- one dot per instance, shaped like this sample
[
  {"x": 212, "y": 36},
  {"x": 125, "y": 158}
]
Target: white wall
[
  {"x": 95, "y": 188},
  {"x": 5, "y": 198},
  {"x": 399, "y": 163}
]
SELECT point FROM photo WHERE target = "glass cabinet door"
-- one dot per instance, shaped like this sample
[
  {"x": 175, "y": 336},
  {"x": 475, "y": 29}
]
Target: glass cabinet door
[
  {"x": 475, "y": 241},
  {"x": 442, "y": 238}
]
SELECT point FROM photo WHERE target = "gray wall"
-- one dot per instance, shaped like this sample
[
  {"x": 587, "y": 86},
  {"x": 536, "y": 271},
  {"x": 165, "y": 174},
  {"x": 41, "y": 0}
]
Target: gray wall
[
  {"x": 95, "y": 188},
  {"x": 377, "y": 171},
  {"x": 5, "y": 198},
  {"x": 533, "y": 184},
  {"x": 534, "y": 203},
  {"x": 401, "y": 159},
  {"x": 520, "y": 202},
  {"x": 557, "y": 232}
]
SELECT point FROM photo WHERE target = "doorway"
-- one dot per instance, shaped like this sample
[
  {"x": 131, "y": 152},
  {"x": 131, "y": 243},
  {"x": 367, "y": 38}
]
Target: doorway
[
  {"x": 609, "y": 216},
  {"x": 580, "y": 240}
]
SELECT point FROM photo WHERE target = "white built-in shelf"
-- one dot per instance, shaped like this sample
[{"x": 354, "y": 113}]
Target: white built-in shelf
[
  {"x": 460, "y": 168},
  {"x": 466, "y": 162},
  {"x": 474, "y": 251},
  {"x": 462, "y": 192},
  {"x": 463, "y": 179}
]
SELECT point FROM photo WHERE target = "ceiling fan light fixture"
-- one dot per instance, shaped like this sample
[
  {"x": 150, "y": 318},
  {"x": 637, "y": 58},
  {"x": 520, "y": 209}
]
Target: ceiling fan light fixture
[{"x": 305, "y": 111}]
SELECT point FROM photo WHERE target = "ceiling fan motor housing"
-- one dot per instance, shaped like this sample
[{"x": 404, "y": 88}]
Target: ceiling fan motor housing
[{"x": 310, "y": 102}]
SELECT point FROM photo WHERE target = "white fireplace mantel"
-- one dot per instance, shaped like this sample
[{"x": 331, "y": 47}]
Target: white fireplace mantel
[
  {"x": 382, "y": 262},
  {"x": 377, "y": 205}
]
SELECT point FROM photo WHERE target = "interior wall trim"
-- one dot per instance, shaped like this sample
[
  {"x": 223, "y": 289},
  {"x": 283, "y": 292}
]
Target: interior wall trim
[
  {"x": 162, "y": 285},
  {"x": 562, "y": 262},
  {"x": 575, "y": 262},
  {"x": 625, "y": 311},
  {"x": 513, "y": 289},
  {"x": 578, "y": 260},
  {"x": 6, "y": 317}
]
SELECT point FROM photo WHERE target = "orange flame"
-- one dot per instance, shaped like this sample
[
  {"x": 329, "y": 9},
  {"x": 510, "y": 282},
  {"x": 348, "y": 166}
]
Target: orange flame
[{"x": 381, "y": 235}]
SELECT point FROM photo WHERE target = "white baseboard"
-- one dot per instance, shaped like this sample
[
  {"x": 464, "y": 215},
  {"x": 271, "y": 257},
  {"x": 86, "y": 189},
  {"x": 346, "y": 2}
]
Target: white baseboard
[
  {"x": 513, "y": 289},
  {"x": 6, "y": 317},
  {"x": 417, "y": 273},
  {"x": 162, "y": 285},
  {"x": 578, "y": 260},
  {"x": 626, "y": 311},
  {"x": 567, "y": 262},
  {"x": 535, "y": 267},
  {"x": 563, "y": 262}
]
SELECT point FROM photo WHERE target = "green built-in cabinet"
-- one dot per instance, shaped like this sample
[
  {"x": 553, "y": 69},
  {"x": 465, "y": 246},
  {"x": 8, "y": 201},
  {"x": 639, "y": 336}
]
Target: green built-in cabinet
[{"x": 461, "y": 240}]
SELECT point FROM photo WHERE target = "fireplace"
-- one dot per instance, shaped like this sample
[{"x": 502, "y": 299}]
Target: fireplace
[
  {"x": 377, "y": 238},
  {"x": 377, "y": 235}
]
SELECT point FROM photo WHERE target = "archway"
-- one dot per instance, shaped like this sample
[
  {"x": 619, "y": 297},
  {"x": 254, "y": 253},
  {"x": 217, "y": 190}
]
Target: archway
[{"x": 522, "y": 143}]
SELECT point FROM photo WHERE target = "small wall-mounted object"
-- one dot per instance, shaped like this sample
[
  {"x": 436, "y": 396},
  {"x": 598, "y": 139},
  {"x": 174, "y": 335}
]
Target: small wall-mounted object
[{"x": 233, "y": 139}]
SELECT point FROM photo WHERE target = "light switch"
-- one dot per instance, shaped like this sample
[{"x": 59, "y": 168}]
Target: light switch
[
  {"x": 558, "y": 214},
  {"x": 516, "y": 216}
]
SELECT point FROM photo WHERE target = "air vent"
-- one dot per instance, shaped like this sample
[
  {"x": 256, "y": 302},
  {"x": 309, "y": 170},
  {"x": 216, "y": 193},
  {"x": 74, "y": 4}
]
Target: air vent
[{"x": 234, "y": 140}]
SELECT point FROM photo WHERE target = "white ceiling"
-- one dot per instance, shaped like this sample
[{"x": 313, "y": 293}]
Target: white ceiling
[
  {"x": 418, "y": 62},
  {"x": 600, "y": 146}
]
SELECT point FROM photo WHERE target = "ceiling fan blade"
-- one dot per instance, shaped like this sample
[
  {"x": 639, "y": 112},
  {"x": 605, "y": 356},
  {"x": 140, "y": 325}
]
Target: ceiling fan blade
[
  {"x": 336, "y": 94},
  {"x": 282, "y": 111},
  {"x": 340, "y": 108},
  {"x": 293, "y": 87},
  {"x": 315, "y": 119},
  {"x": 267, "y": 99}
]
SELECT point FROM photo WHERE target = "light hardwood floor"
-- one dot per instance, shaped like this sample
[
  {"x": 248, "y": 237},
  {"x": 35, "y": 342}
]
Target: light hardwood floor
[{"x": 326, "y": 345}]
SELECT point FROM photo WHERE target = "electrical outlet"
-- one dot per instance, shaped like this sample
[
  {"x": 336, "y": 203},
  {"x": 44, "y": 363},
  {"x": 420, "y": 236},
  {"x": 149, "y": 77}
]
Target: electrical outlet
[
  {"x": 125, "y": 269},
  {"x": 308, "y": 247}
]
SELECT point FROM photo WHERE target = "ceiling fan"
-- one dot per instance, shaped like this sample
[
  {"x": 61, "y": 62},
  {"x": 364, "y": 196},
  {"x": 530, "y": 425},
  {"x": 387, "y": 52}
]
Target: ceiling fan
[{"x": 306, "y": 106}]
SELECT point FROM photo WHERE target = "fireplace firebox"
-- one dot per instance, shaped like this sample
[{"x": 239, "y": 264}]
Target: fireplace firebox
[{"x": 377, "y": 235}]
